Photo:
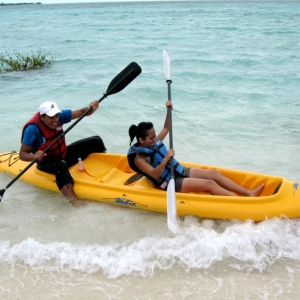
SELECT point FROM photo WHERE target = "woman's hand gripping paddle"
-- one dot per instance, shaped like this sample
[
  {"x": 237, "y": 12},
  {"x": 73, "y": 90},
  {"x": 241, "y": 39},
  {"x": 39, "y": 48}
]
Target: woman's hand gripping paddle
[
  {"x": 115, "y": 86},
  {"x": 171, "y": 198}
]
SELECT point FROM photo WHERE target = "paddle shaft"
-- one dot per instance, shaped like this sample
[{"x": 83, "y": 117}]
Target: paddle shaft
[{"x": 170, "y": 127}]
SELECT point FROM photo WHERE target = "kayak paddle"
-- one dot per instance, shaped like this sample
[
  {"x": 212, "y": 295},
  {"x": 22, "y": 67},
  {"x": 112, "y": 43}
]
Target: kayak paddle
[
  {"x": 115, "y": 86},
  {"x": 171, "y": 198}
]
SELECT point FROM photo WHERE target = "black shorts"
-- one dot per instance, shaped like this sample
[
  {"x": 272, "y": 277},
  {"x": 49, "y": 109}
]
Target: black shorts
[{"x": 179, "y": 179}]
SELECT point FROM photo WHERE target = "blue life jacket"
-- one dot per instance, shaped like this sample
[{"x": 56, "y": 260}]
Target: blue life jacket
[{"x": 156, "y": 154}]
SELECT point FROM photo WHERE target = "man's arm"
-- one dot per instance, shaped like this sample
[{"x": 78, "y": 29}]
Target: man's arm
[
  {"x": 31, "y": 135},
  {"x": 79, "y": 112}
]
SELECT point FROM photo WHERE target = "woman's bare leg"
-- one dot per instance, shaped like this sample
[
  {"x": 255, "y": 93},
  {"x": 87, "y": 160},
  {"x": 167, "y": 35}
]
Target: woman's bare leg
[
  {"x": 204, "y": 185},
  {"x": 225, "y": 182}
]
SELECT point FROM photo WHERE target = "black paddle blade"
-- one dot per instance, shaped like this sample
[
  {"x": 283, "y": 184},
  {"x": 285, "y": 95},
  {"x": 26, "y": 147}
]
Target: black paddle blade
[
  {"x": 123, "y": 78},
  {"x": 1, "y": 194}
]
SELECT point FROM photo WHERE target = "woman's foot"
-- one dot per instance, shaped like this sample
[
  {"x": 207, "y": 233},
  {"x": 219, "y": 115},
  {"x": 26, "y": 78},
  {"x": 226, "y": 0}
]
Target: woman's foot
[{"x": 257, "y": 191}]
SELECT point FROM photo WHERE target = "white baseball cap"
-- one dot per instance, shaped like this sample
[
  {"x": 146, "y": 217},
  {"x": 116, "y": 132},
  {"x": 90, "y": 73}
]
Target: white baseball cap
[{"x": 49, "y": 108}]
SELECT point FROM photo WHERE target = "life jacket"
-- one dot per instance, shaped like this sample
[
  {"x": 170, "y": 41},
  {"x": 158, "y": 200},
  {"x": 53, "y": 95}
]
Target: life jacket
[
  {"x": 59, "y": 149},
  {"x": 156, "y": 154}
]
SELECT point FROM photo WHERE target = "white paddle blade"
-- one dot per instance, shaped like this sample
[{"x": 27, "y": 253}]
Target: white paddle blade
[
  {"x": 167, "y": 65},
  {"x": 172, "y": 211}
]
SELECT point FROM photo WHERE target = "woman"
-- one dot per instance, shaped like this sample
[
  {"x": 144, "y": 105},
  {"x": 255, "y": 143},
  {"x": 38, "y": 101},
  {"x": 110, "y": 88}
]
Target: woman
[{"x": 150, "y": 158}]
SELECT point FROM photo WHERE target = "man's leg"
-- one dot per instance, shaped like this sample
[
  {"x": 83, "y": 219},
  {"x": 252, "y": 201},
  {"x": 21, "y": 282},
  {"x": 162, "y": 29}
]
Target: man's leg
[
  {"x": 82, "y": 148},
  {"x": 65, "y": 182}
]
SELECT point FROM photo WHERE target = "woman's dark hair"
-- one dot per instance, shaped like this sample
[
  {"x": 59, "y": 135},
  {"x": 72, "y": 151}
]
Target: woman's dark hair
[{"x": 140, "y": 131}]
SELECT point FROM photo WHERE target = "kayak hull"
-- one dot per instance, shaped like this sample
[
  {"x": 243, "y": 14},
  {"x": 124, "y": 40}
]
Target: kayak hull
[{"x": 106, "y": 175}]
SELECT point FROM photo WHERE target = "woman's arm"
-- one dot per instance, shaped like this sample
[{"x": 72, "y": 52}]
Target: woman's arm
[
  {"x": 142, "y": 164},
  {"x": 165, "y": 129}
]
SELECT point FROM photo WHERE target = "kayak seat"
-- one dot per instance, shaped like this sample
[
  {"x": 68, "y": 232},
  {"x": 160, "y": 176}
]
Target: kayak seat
[
  {"x": 115, "y": 176},
  {"x": 124, "y": 166}
]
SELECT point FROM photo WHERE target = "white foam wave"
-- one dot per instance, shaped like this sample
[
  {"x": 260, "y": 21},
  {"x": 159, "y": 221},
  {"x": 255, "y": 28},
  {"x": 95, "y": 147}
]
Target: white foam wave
[{"x": 199, "y": 245}]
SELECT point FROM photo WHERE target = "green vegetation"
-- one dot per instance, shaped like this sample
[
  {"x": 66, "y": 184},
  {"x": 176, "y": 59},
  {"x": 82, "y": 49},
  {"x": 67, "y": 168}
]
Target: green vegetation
[{"x": 24, "y": 62}]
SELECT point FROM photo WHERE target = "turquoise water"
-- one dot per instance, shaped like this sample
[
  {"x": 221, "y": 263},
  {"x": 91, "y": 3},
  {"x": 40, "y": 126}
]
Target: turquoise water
[{"x": 235, "y": 88}]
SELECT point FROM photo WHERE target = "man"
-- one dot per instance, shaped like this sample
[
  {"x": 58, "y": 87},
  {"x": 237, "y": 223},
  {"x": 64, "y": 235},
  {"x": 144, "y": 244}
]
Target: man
[{"x": 44, "y": 128}]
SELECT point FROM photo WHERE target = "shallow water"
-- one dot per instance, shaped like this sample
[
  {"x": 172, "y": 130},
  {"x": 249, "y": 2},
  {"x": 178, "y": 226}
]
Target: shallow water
[{"x": 235, "y": 73}]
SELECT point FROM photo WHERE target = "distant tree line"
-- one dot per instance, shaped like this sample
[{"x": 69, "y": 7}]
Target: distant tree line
[{"x": 19, "y": 3}]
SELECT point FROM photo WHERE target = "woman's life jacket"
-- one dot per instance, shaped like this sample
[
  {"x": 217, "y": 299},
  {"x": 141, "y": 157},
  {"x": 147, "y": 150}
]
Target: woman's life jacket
[
  {"x": 59, "y": 149},
  {"x": 155, "y": 154}
]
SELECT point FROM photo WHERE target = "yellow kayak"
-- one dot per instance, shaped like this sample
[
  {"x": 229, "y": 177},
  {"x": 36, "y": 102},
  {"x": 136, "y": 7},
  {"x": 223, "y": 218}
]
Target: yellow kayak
[{"x": 108, "y": 178}]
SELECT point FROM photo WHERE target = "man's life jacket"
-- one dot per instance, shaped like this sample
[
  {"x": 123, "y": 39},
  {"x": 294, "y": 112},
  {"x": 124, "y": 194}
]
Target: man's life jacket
[
  {"x": 59, "y": 148},
  {"x": 156, "y": 154}
]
